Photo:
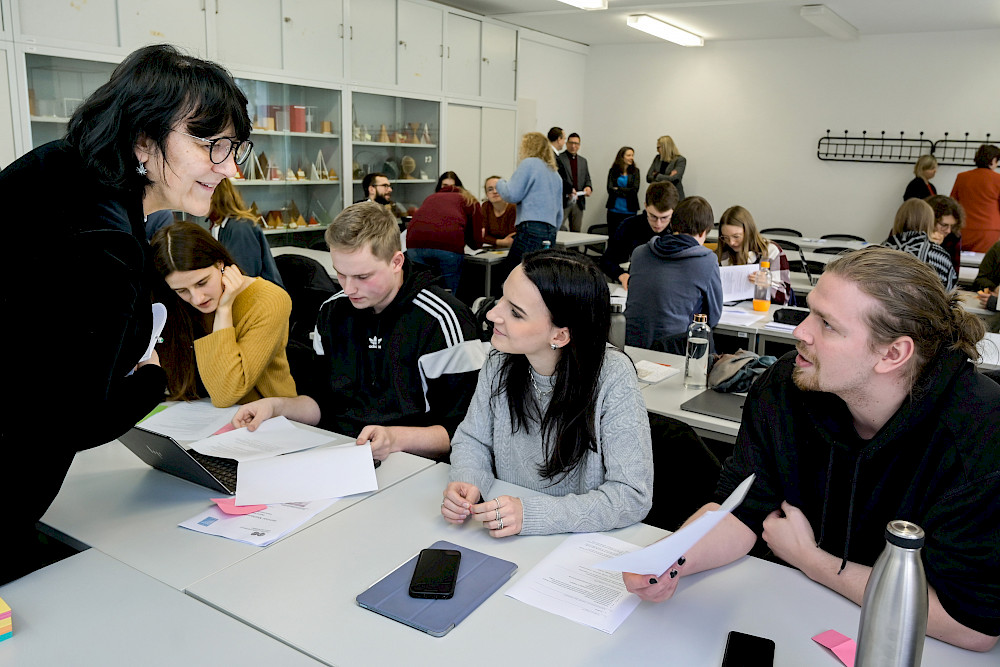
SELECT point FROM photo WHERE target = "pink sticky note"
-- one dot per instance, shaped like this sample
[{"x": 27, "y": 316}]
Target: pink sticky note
[
  {"x": 843, "y": 647},
  {"x": 225, "y": 429},
  {"x": 229, "y": 506}
]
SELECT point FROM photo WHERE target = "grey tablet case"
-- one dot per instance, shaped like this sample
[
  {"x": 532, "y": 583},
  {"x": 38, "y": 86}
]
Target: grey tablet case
[
  {"x": 479, "y": 576},
  {"x": 717, "y": 404}
]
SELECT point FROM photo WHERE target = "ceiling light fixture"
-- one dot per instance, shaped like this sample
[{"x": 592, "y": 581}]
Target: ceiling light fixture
[
  {"x": 587, "y": 4},
  {"x": 829, "y": 22},
  {"x": 658, "y": 28}
]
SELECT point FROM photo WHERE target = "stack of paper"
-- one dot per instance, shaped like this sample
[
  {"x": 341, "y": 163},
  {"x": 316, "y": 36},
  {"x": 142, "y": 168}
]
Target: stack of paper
[{"x": 6, "y": 622}]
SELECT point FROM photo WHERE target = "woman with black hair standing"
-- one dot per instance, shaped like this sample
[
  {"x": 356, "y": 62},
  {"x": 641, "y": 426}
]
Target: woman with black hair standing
[
  {"x": 161, "y": 134},
  {"x": 555, "y": 410},
  {"x": 623, "y": 189}
]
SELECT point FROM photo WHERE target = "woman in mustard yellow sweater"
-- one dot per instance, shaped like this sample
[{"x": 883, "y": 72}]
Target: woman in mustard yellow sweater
[{"x": 226, "y": 332}]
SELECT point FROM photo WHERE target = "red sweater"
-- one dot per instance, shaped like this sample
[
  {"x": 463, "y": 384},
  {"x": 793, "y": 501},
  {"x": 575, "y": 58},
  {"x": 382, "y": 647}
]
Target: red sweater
[
  {"x": 446, "y": 221},
  {"x": 978, "y": 191}
]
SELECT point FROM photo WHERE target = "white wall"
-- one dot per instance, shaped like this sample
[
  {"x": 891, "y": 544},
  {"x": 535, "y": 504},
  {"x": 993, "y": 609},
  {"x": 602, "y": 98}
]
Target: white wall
[
  {"x": 550, "y": 88},
  {"x": 748, "y": 115}
]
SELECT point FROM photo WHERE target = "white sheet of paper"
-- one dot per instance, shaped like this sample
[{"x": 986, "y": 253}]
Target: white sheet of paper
[
  {"x": 274, "y": 437},
  {"x": 778, "y": 326},
  {"x": 565, "y": 583},
  {"x": 327, "y": 472},
  {"x": 735, "y": 284},
  {"x": 190, "y": 421},
  {"x": 657, "y": 557},
  {"x": 739, "y": 317},
  {"x": 159, "y": 319},
  {"x": 652, "y": 372},
  {"x": 260, "y": 528},
  {"x": 618, "y": 291}
]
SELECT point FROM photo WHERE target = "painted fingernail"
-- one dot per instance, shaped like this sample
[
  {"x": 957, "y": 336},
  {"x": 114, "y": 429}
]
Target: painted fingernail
[
  {"x": 652, "y": 581},
  {"x": 673, "y": 574},
  {"x": 681, "y": 560}
]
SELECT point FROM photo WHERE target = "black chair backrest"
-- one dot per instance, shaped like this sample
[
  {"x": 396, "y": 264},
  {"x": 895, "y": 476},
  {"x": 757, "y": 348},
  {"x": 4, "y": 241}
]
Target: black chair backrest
[
  {"x": 309, "y": 285},
  {"x": 799, "y": 265},
  {"x": 597, "y": 249},
  {"x": 843, "y": 237},
  {"x": 781, "y": 230},
  {"x": 831, "y": 250}
]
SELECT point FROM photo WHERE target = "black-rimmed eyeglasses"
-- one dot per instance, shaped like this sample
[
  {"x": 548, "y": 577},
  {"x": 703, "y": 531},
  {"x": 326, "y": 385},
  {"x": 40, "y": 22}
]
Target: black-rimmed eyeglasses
[{"x": 220, "y": 148}]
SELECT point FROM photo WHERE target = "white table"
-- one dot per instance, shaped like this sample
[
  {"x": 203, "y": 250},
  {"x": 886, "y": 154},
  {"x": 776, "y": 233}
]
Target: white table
[
  {"x": 90, "y": 609},
  {"x": 113, "y": 501},
  {"x": 304, "y": 594},
  {"x": 665, "y": 398}
]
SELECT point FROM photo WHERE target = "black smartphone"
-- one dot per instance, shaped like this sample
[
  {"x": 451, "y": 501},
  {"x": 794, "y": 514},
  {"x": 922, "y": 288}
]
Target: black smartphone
[
  {"x": 435, "y": 574},
  {"x": 743, "y": 650}
]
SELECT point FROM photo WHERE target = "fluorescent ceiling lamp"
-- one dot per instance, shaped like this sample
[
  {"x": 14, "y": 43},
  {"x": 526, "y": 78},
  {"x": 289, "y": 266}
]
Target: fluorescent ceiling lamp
[
  {"x": 829, "y": 22},
  {"x": 587, "y": 4},
  {"x": 658, "y": 28}
]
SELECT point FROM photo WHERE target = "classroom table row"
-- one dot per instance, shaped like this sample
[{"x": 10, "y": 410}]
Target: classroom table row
[{"x": 110, "y": 605}]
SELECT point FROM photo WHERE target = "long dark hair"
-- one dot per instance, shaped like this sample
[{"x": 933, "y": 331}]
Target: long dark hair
[
  {"x": 182, "y": 246},
  {"x": 620, "y": 166},
  {"x": 149, "y": 93},
  {"x": 576, "y": 294}
]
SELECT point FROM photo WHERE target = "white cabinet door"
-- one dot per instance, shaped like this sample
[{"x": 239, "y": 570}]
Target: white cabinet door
[
  {"x": 499, "y": 143},
  {"x": 462, "y": 55},
  {"x": 499, "y": 62},
  {"x": 60, "y": 22},
  {"x": 372, "y": 36},
  {"x": 420, "y": 31},
  {"x": 7, "y": 148},
  {"x": 248, "y": 33},
  {"x": 313, "y": 37},
  {"x": 462, "y": 150},
  {"x": 178, "y": 22}
]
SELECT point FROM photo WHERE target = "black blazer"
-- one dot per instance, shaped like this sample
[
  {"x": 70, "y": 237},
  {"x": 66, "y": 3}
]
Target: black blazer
[
  {"x": 630, "y": 192},
  {"x": 582, "y": 178}
]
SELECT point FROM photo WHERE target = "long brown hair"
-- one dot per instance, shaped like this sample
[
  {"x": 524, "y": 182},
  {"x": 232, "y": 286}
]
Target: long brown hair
[
  {"x": 182, "y": 246},
  {"x": 737, "y": 216},
  {"x": 619, "y": 165},
  {"x": 227, "y": 203}
]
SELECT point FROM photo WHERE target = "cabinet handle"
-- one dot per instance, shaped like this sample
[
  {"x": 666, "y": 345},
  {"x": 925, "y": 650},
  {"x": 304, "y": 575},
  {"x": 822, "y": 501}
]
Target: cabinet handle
[
  {"x": 340, "y": 31},
  {"x": 486, "y": 60},
  {"x": 288, "y": 19},
  {"x": 402, "y": 43}
]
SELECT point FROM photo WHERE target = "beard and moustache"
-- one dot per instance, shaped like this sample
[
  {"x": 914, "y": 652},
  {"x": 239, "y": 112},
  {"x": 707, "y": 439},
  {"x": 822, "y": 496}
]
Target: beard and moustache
[{"x": 806, "y": 379}]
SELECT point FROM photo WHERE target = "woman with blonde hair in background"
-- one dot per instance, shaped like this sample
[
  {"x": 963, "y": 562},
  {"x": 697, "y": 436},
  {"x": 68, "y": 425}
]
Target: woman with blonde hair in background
[
  {"x": 911, "y": 233},
  {"x": 234, "y": 226},
  {"x": 740, "y": 243},
  {"x": 921, "y": 187},
  {"x": 668, "y": 165},
  {"x": 536, "y": 188}
]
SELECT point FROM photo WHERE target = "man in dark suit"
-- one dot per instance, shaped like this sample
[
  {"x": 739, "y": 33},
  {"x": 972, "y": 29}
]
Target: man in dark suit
[{"x": 576, "y": 183}]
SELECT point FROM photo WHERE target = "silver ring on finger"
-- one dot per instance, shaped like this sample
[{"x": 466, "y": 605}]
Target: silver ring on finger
[
  {"x": 501, "y": 524},
  {"x": 498, "y": 514},
  {"x": 497, "y": 500}
]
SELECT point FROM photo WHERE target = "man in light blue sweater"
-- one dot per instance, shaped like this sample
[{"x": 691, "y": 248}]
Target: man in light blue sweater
[{"x": 672, "y": 279}]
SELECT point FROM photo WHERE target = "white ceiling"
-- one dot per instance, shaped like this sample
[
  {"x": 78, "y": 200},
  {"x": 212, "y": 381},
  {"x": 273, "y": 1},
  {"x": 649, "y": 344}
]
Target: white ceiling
[{"x": 726, "y": 20}]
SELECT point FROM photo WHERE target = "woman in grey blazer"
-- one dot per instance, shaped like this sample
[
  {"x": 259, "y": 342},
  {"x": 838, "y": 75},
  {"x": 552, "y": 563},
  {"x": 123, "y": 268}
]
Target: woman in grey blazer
[{"x": 668, "y": 165}]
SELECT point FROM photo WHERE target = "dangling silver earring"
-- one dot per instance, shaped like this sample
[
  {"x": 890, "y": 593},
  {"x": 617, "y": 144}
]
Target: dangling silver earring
[
  {"x": 141, "y": 169},
  {"x": 554, "y": 346}
]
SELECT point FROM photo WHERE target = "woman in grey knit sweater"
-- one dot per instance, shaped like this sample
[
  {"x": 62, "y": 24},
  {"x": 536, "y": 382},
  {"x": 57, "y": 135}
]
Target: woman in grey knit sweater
[{"x": 555, "y": 411}]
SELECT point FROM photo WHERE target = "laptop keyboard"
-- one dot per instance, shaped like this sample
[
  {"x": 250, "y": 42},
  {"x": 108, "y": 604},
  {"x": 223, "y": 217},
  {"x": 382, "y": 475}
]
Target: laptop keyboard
[{"x": 223, "y": 469}]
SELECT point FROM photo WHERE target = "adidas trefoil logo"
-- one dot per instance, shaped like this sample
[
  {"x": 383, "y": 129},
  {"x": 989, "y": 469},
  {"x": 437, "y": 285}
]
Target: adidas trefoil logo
[{"x": 374, "y": 343}]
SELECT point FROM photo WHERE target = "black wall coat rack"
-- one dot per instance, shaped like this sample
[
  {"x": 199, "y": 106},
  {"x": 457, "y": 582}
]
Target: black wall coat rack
[{"x": 898, "y": 150}]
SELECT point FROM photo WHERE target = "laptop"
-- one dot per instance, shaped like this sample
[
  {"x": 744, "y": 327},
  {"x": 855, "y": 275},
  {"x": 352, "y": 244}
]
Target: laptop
[
  {"x": 717, "y": 404},
  {"x": 164, "y": 453}
]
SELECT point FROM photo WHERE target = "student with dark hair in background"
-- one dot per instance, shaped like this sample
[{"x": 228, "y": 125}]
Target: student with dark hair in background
[
  {"x": 623, "y": 189},
  {"x": 672, "y": 279},
  {"x": 661, "y": 200},
  {"x": 949, "y": 219}
]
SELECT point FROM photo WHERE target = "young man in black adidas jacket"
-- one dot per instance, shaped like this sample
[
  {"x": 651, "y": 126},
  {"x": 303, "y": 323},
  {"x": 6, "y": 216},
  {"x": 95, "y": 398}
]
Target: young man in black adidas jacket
[{"x": 397, "y": 358}]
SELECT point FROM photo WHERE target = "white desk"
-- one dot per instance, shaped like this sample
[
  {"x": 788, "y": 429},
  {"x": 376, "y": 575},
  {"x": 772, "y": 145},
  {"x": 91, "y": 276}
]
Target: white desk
[
  {"x": 90, "y": 609},
  {"x": 971, "y": 259},
  {"x": 304, "y": 595},
  {"x": 578, "y": 239},
  {"x": 113, "y": 501},
  {"x": 665, "y": 398}
]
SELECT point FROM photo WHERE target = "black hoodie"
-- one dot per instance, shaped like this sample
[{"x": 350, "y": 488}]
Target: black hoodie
[
  {"x": 935, "y": 463},
  {"x": 414, "y": 364}
]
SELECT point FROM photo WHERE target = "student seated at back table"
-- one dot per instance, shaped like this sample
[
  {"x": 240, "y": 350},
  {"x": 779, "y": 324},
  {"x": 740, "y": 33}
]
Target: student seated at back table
[
  {"x": 235, "y": 227},
  {"x": 556, "y": 410},
  {"x": 396, "y": 357},
  {"x": 740, "y": 243},
  {"x": 226, "y": 333},
  {"x": 911, "y": 233},
  {"x": 661, "y": 200},
  {"x": 672, "y": 279},
  {"x": 879, "y": 416}
]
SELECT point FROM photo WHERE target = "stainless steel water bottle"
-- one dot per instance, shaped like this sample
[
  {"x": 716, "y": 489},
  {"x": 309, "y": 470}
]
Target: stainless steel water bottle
[{"x": 894, "y": 610}]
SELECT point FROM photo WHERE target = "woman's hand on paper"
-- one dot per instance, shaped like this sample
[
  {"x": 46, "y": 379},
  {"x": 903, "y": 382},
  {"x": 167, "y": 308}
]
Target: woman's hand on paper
[
  {"x": 653, "y": 588},
  {"x": 459, "y": 498},
  {"x": 254, "y": 414}
]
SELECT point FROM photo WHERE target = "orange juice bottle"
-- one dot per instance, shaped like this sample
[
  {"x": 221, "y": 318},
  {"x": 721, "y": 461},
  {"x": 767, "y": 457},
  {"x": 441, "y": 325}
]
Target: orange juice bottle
[{"x": 762, "y": 288}]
